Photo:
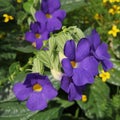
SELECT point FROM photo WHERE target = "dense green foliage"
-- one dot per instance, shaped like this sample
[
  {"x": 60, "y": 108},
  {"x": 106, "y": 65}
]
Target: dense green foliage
[{"x": 18, "y": 57}]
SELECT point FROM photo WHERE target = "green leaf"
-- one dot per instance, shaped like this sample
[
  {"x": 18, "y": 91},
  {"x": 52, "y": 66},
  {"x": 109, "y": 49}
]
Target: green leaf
[
  {"x": 52, "y": 43},
  {"x": 44, "y": 58},
  {"x": 14, "y": 67},
  {"x": 64, "y": 103},
  {"x": 116, "y": 47},
  {"x": 54, "y": 82},
  {"x": 37, "y": 66},
  {"x": 52, "y": 113},
  {"x": 115, "y": 77},
  {"x": 27, "y": 49},
  {"x": 67, "y": 34},
  {"x": 6, "y": 7},
  {"x": 21, "y": 17},
  {"x": 76, "y": 33},
  {"x": 70, "y": 5},
  {"x": 115, "y": 73},
  {"x": 27, "y": 6},
  {"x": 20, "y": 76},
  {"x": 98, "y": 98},
  {"x": 14, "y": 110}
]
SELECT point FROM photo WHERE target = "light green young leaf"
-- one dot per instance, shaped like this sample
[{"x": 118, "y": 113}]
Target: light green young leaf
[
  {"x": 76, "y": 33},
  {"x": 27, "y": 6},
  {"x": 37, "y": 66},
  {"x": 44, "y": 58}
]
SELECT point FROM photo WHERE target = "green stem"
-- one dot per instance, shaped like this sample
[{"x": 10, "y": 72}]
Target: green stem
[{"x": 77, "y": 113}]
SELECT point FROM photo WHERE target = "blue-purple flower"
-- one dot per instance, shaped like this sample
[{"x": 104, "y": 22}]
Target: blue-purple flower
[
  {"x": 37, "y": 34},
  {"x": 51, "y": 14},
  {"x": 37, "y": 89},
  {"x": 78, "y": 64},
  {"x": 99, "y": 50},
  {"x": 74, "y": 92}
]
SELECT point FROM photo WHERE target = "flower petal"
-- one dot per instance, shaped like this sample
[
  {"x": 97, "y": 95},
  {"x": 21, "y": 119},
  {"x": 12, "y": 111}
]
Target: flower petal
[
  {"x": 45, "y": 35},
  {"x": 21, "y": 91},
  {"x": 65, "y": 82},
  {"x": 29, "y": 36},
  {"x": 50, "y": 5},
  {"x": 40, "y": 17},
  {"x": 36, "y": 101},
  {"x": 37, "y": 27},
  {"x": 107, "y": 64},
  {"x": 90, "y": 64},
  {"x": 49, "y": 91},
  {"x": 53, "y": 24},
  {"x": 82, "y": 77},
  {"x": 83, "y": 49},
  {"x": 94, "y": 39},
  {"x": 60, "y": 14},
  {"x": 32, "y": 77},
  {"x": 69, "y": 49},
  {"x": 102, "y": 52},
  {"x": 74, "y": 93},
  {"x": 67, "y": 67},
  {"x": 39, "y": 43}
]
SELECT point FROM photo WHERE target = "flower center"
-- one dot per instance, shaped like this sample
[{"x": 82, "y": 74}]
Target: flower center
[
  {"x": 84, "y": 98},
  {"x": 37, "y": 35},
  {"x": 48, "y": 15},
  {"x": 37, "y": 87},
  {"x": 74, "y": 64}
]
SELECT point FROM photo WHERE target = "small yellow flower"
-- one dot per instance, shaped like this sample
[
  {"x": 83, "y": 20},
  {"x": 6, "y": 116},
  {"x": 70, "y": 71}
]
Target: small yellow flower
[
  {"x": 7, "y": 17},
  {"x": 84, "y": 98},
  {"x": 112, "y": 1},
  {"x": 104, "y": 1},
  {"x": 104, "y": 75},
  {"x": 114, "y": 10},
  {"x": 19, "y": 1},
  {"x": 97, "y": 16},
  {"x": 114, "y": 31}
]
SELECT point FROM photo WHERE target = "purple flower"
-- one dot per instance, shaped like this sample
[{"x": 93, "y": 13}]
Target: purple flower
[
  {"x": 37, "y": 89},
  {"x": 74, "y": 92},
  {"x": 100, "y": 50},
  {"x": 51, "y": 14},
  {"x": 37, "y": 34},
  {"x": 78, "y": 64}
]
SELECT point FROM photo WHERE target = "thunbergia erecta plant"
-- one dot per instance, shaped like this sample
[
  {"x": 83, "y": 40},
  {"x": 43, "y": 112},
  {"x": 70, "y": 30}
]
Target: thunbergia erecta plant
[
  {"x": 51, "y": 14},
  {"x": 48, "y": 19},
  {"x": 37, "y": 34},
  {"x": 36, "y": 90},
  {"x": 73, "y": 58}
]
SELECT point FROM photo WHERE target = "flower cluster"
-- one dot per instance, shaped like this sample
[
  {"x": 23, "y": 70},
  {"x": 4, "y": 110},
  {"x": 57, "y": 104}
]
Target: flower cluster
[
  {"x": 81, "y": 65},
  {"x": 114, "y": 10},
  {"x": 48, "y": 19},
  {"x": 111, "y": 1}
]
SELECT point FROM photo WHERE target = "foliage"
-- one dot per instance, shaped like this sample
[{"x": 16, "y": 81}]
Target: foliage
[{"x": 18, "y": 58}]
